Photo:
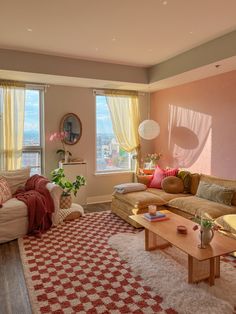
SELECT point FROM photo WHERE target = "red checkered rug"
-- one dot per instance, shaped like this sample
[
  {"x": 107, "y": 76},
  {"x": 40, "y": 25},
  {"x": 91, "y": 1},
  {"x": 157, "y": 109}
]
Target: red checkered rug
[{"x": 72, "y": 269}]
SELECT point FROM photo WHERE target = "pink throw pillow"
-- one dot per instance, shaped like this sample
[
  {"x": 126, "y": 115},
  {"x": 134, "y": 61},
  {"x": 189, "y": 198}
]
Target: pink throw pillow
[
  {"x": 159, "y": 175},
  {"x": 5, "y": 191}
]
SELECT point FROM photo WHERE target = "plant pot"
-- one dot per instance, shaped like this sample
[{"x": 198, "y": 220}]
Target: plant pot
[{"x": 65, "y": 201}]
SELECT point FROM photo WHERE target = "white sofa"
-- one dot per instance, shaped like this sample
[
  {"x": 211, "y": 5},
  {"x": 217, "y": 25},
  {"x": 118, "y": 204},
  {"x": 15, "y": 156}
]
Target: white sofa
[{"x": 13, "y": 214}]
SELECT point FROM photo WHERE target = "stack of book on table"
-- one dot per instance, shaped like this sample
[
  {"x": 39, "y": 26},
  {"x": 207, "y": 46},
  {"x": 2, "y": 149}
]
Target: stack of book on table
[{"x": 157, "y": 217}]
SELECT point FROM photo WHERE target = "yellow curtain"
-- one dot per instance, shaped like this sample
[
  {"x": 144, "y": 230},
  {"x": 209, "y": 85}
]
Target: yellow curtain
[
  {"x": 12, "y": 105},
  {"x": 125, "y": 115}
]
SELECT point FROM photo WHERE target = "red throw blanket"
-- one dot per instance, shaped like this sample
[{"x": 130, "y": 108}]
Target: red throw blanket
[{"x": 39, "y": 203}]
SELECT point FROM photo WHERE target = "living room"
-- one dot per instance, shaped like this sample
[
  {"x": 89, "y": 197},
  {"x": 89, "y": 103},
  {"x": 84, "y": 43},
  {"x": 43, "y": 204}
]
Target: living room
[{"x": 179, "y": 58}]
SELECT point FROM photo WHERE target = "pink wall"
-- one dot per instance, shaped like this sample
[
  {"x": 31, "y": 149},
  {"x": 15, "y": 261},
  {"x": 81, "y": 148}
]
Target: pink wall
[{"x": 198, "y": 125}]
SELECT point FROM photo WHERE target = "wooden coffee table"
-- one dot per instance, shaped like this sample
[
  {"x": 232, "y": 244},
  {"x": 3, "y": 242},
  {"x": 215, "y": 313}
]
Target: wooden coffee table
[{"x": 202, "y": 263}]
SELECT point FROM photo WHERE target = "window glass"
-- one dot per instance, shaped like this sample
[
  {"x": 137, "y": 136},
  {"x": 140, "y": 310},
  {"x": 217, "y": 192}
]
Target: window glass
[
  {"x": 32, "y": 150},
  {"x": 32, "y": 119},
  {"x": 109, "y": 155}
]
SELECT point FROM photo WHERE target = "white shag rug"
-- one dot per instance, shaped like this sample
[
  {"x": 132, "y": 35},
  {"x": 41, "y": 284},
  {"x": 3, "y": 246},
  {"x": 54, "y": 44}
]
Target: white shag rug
[{"x": 165, "y": 271}]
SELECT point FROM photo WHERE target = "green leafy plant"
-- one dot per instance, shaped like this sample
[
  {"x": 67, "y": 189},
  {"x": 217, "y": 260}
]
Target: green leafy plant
[
  {"x": 68, "y": 187},
  {"x": 204, "y": 222}
]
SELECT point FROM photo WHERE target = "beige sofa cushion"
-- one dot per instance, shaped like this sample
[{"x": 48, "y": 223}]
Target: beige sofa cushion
[
  {"x": 166, "y": 196},
  {"x": 193, "y": 204},
  {"x": 12, "y": 210},
  {"x": 16, "y": 178},
  {"x": 140, "y": 199},
  {"x": 144, "y": 198},
  {"x": 231, "y": 184}
]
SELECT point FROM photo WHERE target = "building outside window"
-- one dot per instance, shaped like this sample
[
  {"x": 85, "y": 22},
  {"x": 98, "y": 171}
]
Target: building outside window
[
  {"x": 32, "y": 142},
  {"x": 110, "y": 157}
]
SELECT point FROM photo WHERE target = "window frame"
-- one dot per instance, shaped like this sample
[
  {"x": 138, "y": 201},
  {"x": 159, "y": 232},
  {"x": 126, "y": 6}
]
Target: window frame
[
  {"x": 39, "y": 148},
  {"x": 108, "y": 172}
]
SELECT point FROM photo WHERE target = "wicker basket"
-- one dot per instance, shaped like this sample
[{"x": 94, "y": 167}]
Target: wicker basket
[{"x": 65, "y": 201}]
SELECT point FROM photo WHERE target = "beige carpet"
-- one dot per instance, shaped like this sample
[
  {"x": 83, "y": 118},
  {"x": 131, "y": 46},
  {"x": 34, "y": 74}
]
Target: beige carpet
[{"x": 166, "y": 273}]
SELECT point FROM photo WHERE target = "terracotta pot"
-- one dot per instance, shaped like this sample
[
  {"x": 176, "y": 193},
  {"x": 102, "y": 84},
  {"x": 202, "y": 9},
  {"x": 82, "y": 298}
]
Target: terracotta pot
[{"x": 65, "y": 201}]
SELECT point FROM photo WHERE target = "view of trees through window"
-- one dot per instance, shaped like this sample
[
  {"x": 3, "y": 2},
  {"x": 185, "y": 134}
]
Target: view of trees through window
[
  {"x": 109, "y": 155},
  {"x": 32, "y": 140}
]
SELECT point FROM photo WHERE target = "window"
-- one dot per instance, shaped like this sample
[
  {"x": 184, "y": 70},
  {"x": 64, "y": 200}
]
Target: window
[
  {"x": 32, "y": 142},
  {"x": 110, "y": 157}
]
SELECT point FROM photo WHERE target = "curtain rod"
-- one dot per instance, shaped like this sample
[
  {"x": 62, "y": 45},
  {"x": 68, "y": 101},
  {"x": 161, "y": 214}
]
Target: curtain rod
[
  {"x": 23, "y": 84},
  {"x": 118, "y": 91}
]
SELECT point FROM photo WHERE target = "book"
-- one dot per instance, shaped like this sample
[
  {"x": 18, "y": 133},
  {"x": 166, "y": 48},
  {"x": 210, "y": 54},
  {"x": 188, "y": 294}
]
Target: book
[
  {"x": 157, "y": 215},
  {"x": 156, "y": 219}
]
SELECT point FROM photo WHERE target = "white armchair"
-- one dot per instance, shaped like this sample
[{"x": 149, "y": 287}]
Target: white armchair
[{"x": 14, "y": 214}]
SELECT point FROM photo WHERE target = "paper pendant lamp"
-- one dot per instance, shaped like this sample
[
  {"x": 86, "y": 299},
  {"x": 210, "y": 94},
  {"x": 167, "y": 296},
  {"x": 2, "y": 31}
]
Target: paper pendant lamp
[{"x": 149, "y": 129}]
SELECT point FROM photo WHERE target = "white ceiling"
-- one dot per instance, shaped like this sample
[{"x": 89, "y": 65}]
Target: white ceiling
[{"x": 134, "y": 32}]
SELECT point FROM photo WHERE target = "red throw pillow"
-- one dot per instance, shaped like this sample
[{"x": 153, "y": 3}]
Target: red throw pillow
[
  {"x": 159, "y": 175},
  {"x": 5, "y": 192}
]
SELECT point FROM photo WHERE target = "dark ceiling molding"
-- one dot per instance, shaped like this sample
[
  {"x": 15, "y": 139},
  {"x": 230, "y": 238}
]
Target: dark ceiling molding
[{"x": 213, "y": 51}]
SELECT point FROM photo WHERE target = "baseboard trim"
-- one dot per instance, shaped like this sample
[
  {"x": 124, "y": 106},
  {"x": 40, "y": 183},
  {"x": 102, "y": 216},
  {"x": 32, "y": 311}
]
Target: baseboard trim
[{"x": 99, "y": 199}]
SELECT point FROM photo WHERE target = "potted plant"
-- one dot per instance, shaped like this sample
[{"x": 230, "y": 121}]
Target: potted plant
[{"x": 68, "y": 187}]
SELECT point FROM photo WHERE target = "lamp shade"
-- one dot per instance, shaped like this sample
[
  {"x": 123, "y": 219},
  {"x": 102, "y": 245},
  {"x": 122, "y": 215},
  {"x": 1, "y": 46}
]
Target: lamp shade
[{"x": 149, "y": 129}]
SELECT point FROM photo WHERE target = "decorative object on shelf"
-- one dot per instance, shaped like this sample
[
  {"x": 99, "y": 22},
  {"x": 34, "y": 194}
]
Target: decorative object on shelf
[
  {"x": 149, "y": 129},
  {"x": 68, "y": 187},
  {"x": 207, "y": 227},
  {"x": 150, "y": 160},
  {"x": 72, "y": 128},
  {"x": 64, "y": 153}
]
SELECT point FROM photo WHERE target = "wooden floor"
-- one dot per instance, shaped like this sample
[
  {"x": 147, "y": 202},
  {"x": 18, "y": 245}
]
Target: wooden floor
[{"x": 13, "y": 292}]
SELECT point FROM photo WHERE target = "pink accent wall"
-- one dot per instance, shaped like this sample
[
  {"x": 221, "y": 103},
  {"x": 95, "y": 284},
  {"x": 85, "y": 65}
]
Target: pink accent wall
[{"x": 198, "y": 125}]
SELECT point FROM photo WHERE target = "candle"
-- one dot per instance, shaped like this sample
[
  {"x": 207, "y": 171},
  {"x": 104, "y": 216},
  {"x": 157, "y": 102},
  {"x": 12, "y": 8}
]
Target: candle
[{"x": 152, "y": 209}]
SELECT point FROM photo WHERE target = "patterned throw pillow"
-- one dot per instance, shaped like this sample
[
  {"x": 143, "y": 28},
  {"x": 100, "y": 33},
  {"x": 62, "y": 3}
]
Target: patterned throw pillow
[
  {"x": 159, "y": 175},
  {"x": 215, "y": 193},
  {"x": 5, "y": 192}
]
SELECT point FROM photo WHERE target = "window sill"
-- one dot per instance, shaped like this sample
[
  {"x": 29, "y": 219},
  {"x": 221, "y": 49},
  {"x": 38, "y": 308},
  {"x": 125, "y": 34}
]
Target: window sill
[{"x": 113, "y": 173}]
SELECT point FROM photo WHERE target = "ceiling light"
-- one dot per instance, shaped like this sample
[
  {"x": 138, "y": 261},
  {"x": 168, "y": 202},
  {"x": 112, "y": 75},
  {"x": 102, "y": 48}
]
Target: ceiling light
[
  {"x": 190, "y": 33},
  {"x": 149, "y": 129},
  {"x": 96, "y": 48},
  {"x": 113, "y": 39},
  {"x": 164, "y": 2},
  {"x": 29, "y": 29}
]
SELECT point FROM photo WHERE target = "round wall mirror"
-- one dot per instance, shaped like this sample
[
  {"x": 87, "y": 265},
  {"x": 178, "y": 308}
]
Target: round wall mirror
[{"x": 72, "y": 126}]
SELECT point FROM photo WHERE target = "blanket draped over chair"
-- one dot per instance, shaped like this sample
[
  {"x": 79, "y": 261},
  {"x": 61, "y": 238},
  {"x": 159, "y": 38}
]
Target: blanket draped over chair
[{"x": 39, "y": 204}]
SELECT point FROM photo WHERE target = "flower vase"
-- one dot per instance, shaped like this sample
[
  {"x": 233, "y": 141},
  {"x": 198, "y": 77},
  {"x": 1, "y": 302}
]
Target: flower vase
[{"x": 206, "y": 235}]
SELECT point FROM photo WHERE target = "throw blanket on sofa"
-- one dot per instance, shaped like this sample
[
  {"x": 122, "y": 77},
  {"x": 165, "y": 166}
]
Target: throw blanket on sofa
[
  {"x": 39, "y": 204},
  {"x": 129, "y": 187}
]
